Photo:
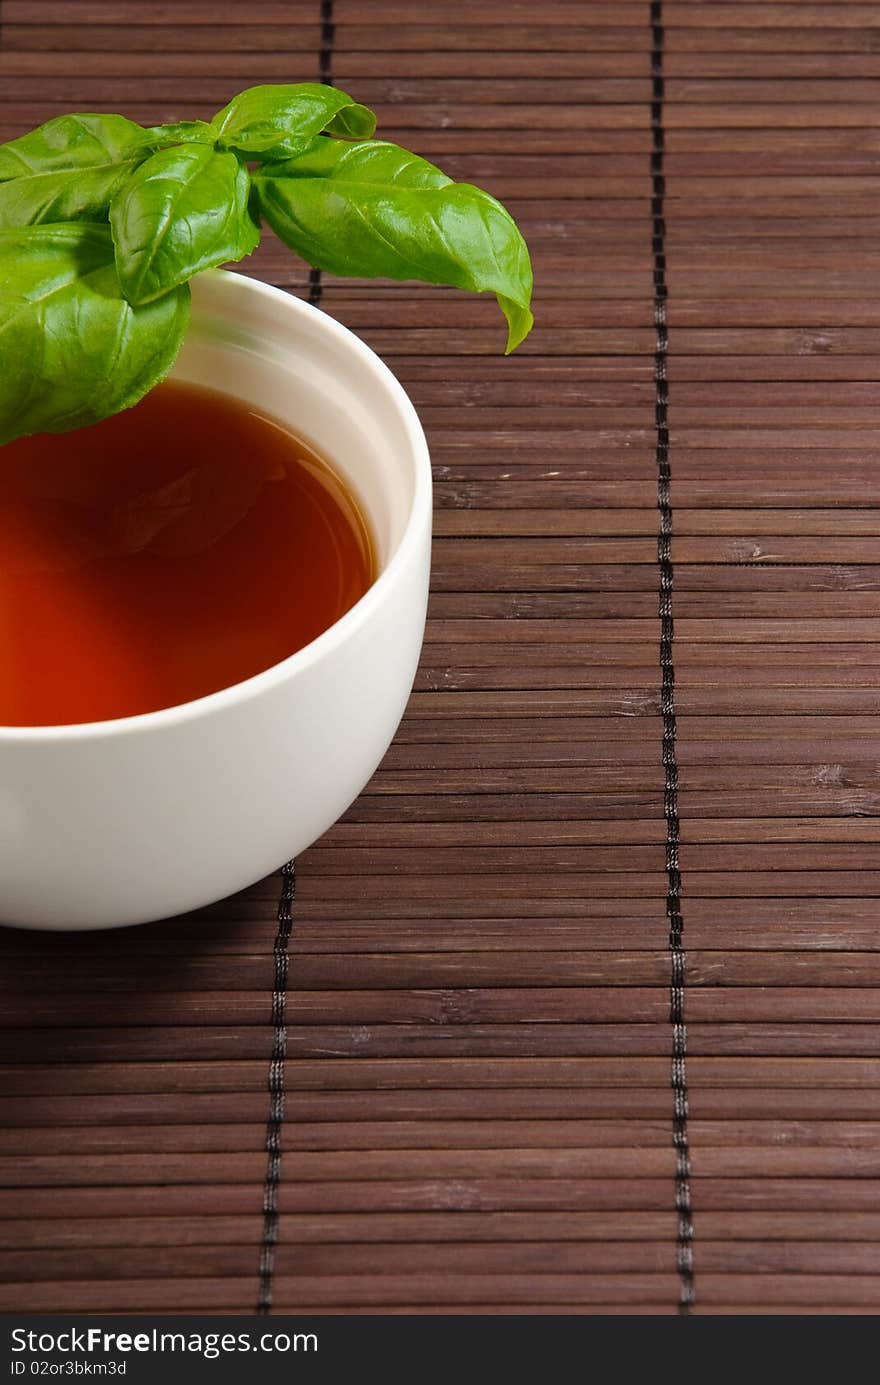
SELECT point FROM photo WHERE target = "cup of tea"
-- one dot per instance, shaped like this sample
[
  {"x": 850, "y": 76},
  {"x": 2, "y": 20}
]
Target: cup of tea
[{"x": 255, "y": 640}]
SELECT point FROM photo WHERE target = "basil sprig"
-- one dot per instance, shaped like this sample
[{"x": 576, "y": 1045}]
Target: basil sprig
[{"x": 103, "y": 223}]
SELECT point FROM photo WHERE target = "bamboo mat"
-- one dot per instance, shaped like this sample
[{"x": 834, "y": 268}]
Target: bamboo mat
[{"x": 518, "y": 1080}]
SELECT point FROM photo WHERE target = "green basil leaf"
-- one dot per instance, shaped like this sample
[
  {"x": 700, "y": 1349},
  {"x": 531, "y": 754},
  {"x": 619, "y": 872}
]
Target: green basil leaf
[
  {"x": 184, "y": 210},
  {"x": 61, "y": 195},
  {"x": 278, "y": 121},
  {"x": 374, "y": 209},
  {"x": 70, "y": 142},
  {"x": 68, "y": 168},
  {"x": 73, "y": 349}
]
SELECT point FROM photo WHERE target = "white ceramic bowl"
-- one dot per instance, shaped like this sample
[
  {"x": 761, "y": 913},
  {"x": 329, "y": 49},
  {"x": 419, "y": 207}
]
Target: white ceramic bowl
[{"x": 119, "y": 822}]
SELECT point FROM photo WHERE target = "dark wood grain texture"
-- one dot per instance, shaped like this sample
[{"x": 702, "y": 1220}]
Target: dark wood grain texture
[{"x": 479, "y": 1111}]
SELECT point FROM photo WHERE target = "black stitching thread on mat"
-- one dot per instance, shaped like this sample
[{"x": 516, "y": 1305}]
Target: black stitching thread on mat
[
  {"x": 677, "y": 955},
  {"x": 275, "y": 1122},
  {"x": 325, "y": 69}
]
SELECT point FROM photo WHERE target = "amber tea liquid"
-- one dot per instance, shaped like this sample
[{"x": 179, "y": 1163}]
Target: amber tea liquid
[{"x": 170, "y": 551}]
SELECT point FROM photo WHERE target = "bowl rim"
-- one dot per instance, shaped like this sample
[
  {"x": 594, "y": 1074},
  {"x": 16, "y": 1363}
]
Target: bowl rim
[{"x": 347, "y": 625}]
